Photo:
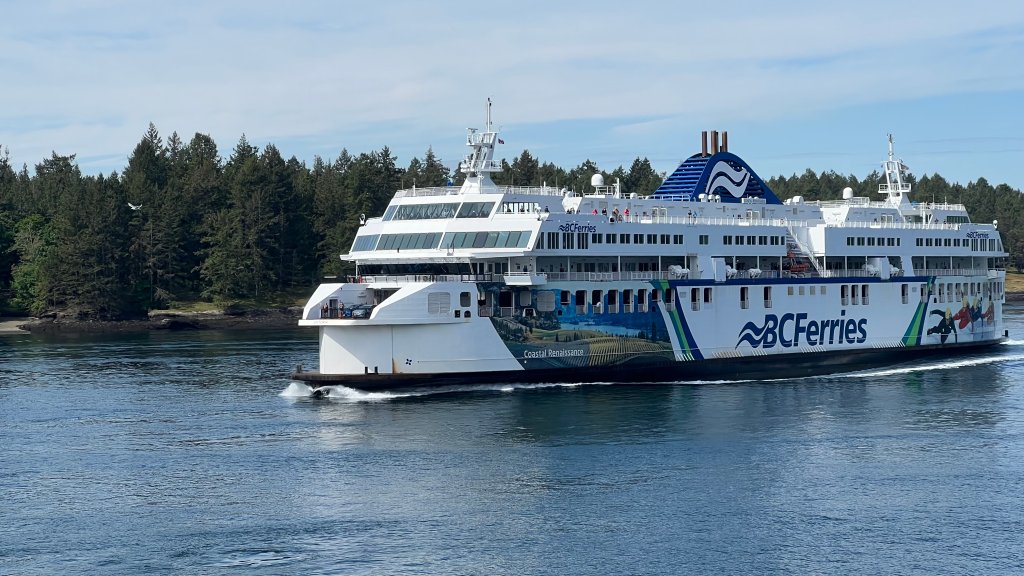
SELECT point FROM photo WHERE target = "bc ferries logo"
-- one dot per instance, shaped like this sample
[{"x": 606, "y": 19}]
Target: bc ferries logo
[
  {"x": 790, "y": 329},
  {"x": 732, "y": 179},
  {"x": 577, "y": 227}
]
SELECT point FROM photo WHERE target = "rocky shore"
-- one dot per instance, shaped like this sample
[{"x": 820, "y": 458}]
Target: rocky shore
[{"x": 273, "y": 318}]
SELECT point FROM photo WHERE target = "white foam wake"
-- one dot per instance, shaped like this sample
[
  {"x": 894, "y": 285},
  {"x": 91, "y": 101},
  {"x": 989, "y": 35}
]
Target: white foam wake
[
  {"x": 950, "y": 365},
  {"x": 351, "y": 395}
]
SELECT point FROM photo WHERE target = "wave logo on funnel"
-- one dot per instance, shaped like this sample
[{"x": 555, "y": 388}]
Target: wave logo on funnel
[{"x": 732, "y": 179}]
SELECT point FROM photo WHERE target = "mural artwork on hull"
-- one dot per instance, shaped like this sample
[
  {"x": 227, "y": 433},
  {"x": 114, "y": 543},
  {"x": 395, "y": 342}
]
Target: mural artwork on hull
[
  {"x": 972, "y": 321},
  {"x": 548, "y": 329}
]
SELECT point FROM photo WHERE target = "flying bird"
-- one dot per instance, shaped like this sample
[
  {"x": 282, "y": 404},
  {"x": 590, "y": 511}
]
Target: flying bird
[{"x": 134, "y": 207}]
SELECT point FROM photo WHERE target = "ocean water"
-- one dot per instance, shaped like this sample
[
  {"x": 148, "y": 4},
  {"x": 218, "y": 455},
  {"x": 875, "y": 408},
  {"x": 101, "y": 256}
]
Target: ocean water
[{"x": 191, "y": 453}]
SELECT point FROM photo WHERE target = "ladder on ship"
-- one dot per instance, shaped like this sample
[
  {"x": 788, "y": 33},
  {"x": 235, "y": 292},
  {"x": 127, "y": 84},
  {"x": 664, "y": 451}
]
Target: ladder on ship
[{"x": 798, "y": 258}]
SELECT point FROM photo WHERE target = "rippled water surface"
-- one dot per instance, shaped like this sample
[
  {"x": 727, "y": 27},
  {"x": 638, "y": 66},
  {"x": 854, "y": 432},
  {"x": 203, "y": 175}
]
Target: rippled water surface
[{"x": 192, "y": 453}]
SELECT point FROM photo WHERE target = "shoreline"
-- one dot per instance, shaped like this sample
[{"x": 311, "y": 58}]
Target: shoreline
[{"x": 259, "y": 318}]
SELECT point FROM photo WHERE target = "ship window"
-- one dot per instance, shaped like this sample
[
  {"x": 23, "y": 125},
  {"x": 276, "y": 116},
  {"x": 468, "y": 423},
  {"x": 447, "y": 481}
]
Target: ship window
[
  {"x": 439, "y": 303},
  {"x": 864, "y": 294},
  {"x": 677, "y": 238},
  {"x": 545, "y": 301},
  {"x": 564, "y": 298},
  {"x": 751, "y": 240},
  {"x": 641, "y": 300},
  {"x": 552, "y": 240},
  {"x": 812, "y": 290},
  {"x": 767, "y": 296},
  {"x": 871, "y": 241},
  {"x": 695, "y": 298},
  {"x": 583, "y": 238},
  {"x": 739, "y": 240},
  {"x": 707, "y": 295},
  {"x": 855, "y": 294},
  {"x": 638, "y": 238},
  {"x": 475, "y": 210},
  {"x": 762, "y": 240},
  {"x": 652, "y": 238},
  {"x": 703, "y": 239},
  {"x": 727, "y": 240},
  {"x": 744, "y": 297},
  {"x": 860, "y": 240},
  {"x": 905, "y": 291},
  {"x": 663, "y": 239},
  {"x": 596, "y": 238},
  {"x": 424, "y": 211},
  {"x": 800, "y": 291},
  {"x": 364, "y": 243},
  {"x": 655, "y": 294},
  {"x": 623, "y": 238},
  {"x": 669, "y": 296},
  {"x": 844, "y": 294},
  {"x": 389, "y": 212},
  {"x": 595, "y": 301},
  {"x": 610, "y": 239},
  {"x": 480, "y": 239},
  {"x": 464, "y": 299},
  {"x": 613, "y": 300},
  {"x": 789, "y": 290},
  {"x": 627, "y": 300}
]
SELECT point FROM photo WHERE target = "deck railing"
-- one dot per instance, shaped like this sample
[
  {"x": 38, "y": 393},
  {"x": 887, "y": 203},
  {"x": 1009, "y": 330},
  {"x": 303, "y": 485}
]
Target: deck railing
[{"x": 654, "y": 275}]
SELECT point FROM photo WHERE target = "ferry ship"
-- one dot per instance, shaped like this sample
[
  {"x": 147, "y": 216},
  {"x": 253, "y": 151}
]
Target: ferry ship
[{"x": 710, "y": 277}]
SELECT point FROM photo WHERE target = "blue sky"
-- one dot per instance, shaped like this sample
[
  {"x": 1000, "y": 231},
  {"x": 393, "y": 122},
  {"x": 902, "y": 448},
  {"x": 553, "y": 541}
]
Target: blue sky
[{"x": 797, "y": 84}]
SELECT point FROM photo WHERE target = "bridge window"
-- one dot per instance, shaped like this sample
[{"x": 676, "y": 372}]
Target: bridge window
[{"x": 475, "y": 210}]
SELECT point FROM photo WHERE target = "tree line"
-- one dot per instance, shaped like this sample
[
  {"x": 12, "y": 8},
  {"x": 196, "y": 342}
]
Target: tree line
[{"x": 181, "y": 224}]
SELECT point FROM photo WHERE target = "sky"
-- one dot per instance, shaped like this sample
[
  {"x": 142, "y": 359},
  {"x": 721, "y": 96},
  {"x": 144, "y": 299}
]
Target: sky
[{"x": 796, "y": 84}]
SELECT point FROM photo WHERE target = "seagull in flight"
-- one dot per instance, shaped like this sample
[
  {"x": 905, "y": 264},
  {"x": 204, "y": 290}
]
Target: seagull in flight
[{"x": 134, "y": 207}]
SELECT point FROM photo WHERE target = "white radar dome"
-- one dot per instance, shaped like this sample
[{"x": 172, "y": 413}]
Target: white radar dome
[
  {"x": 847, "y": 193},
  {"x": 597, "y": 180}
]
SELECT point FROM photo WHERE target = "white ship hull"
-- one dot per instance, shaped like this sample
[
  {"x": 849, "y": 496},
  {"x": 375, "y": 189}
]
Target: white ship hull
[{"x": 805, "y": 328}]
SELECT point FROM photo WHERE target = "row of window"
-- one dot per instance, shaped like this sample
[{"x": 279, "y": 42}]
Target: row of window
[
  {"x": 609, "y": 301},
  {"x": 975, "y": 244},
  {"x": 441, "y": 210},
  {"x": 754, "y": 240},
  {"x": 503, "y": 239},
  {"x": 873, "y": 241},
  {"x": 430, "y": 240}
]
